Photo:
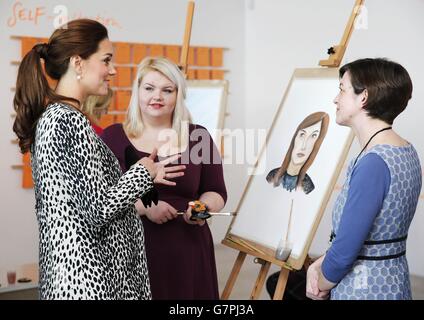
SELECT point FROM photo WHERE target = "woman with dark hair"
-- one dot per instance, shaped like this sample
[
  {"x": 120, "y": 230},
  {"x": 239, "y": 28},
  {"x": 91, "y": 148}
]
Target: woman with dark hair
[
  {"x": 373, "y": 212},
  {"x": 90, "y": 239},
  {"x": 303, "y": 149}
]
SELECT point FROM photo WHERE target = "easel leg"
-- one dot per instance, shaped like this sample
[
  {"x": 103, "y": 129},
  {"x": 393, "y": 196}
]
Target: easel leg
[
  {"x": 308, "y": 262},
  {"x": 261, "y": 279},
  {"x": 281, "y": 284},
  {"x": 233, "y": 276}
]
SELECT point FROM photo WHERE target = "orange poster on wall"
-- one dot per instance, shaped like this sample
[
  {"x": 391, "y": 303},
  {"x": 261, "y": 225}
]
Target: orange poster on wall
[
  {"x": 122, "y": 99},
  {"x": 139, "y": 53},
  {"x": 133, "y": 74},
  {"x": 26, "y": 159},
  {"x": 203, "y": 74},
  {"x": 27, "y": 182},
  {"x": 217, "y": 74},
  {"x": 27, "y": 44},
  {"x": 191, "y": 74},
  {"x": 157, "y": 50},
  {"x": 190, "y": 58},
  {"x": 216, "y": 57},
  {"x": 173, "y": 53},
  {"x": 106, "y": 120},
  {"x": 122, "y": 52},
  {"x": 120, "y": 118},
  {"x": 123, "y": 77},
  {"x": 203, "y": 57}
]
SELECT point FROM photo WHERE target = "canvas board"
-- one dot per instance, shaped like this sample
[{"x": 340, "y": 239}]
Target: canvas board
[
  {"x": 264, "y": 210},
  {"x": 206, "y": 101}
]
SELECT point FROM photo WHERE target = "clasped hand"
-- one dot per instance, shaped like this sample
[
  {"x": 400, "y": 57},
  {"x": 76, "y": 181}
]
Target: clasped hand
[{"x": 312, "y": 281}]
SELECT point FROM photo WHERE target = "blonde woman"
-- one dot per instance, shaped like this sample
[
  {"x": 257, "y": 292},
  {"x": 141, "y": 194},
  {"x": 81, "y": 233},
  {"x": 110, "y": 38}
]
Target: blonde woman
[{"x": 180, "y": 252}]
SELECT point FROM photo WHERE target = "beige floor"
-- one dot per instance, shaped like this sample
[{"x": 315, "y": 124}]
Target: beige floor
[{"x": 225, "y": 258}]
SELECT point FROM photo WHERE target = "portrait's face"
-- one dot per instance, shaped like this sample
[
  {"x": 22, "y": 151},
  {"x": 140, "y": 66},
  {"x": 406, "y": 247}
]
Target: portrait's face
[
  {"x": 348, "y": 103},
  {"x": 157, "y": 95},
  {"x": 304, "y": 143},
  {"x": 98, "y": 69}
]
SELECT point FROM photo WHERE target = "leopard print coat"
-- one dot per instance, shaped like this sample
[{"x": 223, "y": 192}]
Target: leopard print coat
[{"x": 91, "y": 242}]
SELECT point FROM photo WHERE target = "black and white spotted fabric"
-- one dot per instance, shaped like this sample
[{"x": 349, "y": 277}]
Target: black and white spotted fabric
[{"x": 91, "y": 242}]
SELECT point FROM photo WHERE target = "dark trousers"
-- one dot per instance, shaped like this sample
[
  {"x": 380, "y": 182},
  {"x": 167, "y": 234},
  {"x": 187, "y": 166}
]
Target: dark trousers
[{"x": 295, "y": 288}]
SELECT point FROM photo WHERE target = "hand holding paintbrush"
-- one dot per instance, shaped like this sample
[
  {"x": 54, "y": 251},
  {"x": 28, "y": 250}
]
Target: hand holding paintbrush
[{"x": 199, "y": 211}]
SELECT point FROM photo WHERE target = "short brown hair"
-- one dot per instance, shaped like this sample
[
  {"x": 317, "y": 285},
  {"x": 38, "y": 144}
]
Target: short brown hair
[{"x": 388, "y": 84}]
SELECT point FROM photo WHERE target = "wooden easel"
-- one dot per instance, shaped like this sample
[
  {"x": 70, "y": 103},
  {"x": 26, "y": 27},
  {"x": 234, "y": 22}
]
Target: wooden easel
[
  {"x": 337, "y": 52},
  {"x": 187, "y": 35},
  {"x": 263, "y": 255},
  {"x": 264, "y": 258}
]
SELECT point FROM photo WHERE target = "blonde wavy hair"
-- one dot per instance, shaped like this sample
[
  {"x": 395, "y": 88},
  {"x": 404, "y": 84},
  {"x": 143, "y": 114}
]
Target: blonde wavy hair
[
  {"x": 95, "y": 106},
  {"x": 133, "y": 124}
]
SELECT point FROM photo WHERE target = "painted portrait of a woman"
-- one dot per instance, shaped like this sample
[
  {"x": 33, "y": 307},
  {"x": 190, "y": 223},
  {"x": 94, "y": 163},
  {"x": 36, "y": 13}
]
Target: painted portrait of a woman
[{"x": 304, "y": 146}]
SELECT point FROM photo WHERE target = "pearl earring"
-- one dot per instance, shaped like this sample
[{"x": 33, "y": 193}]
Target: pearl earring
[{"x": 78, "y": 77}]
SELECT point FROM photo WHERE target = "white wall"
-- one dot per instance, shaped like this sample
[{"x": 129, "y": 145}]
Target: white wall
[
  {"x": 282, "y": 35},
  {"x": 159, "y": 21},
  {"x": 266, "y": 40}
]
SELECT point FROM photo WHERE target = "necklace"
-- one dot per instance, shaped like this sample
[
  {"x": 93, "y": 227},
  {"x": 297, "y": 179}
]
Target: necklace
[{"x": 366, "y": 145}]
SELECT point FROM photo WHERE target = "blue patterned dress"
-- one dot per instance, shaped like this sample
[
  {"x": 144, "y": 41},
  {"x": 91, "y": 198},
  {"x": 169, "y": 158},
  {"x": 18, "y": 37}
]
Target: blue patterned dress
[{"x": 381, "y": 270}]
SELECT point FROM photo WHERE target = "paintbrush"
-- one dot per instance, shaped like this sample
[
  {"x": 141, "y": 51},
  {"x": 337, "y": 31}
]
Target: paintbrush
[{"x": 217, "y": 213}]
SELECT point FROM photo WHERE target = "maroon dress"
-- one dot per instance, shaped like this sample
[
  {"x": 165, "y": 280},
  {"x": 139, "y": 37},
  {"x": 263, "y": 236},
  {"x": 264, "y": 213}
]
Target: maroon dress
[{"x": 180, "y": 256}]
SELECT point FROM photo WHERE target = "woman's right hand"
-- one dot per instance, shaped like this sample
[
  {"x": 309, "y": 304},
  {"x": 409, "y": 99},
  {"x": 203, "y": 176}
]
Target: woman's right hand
[
  {"x": 312, "y": 279},
  {"x": 161, "y": 213},
  {"x": 159, "y": 172}
]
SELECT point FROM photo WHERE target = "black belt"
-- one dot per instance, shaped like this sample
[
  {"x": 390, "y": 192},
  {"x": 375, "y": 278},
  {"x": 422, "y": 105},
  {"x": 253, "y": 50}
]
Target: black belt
[
  {"x": 371, "y": 242},
  {"x": 391, "y": 256},
  {"x": 375, "y": 242}
]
